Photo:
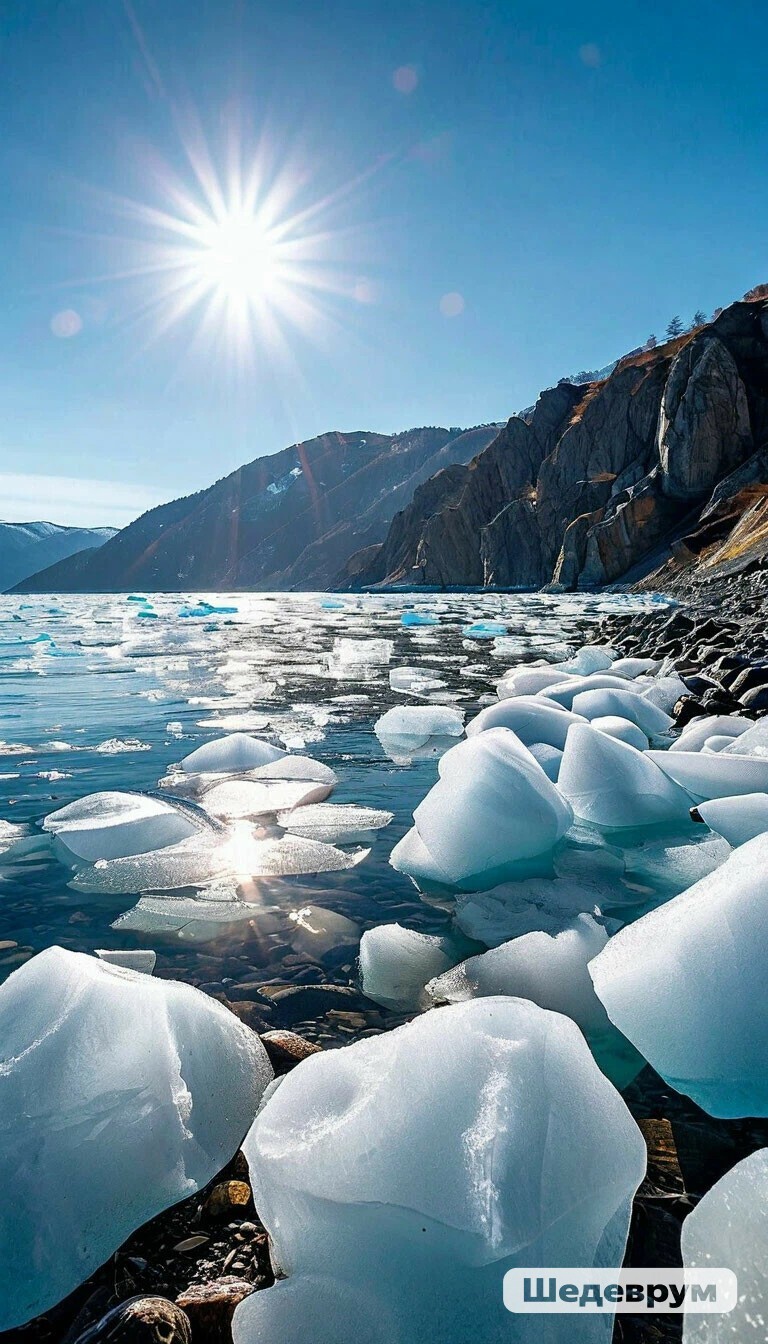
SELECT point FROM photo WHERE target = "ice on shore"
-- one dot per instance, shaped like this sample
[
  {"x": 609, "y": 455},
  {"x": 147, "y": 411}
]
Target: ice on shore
[
  {"x": 588, "y": 659},
  {"x": 736, "y": 819},
  {"x": 624, "y": 730},
  {"x": 606, "y": 703},
  {"x": 697, "y": 733},
  {"x": 133, "y": 959},
  {"x": 492, "y": 806},
  {"x": 565, "y": 691},
  {"x": 729, "y": 1228},
  {"x": 396, "y": 963},
  {"x": 549, "y": 758},
  {"x": 549, "y": 969},
  {"x": 753, "y": 742},
  {"x": 635, "y": 667},
  {"x": 686, "y": 984},
  {"x": 476, "y": 1138},
  {"x": 112, "y": 825},
  {"x": 611, "y": 784},
  {"x": 132, "y": 1123},
  {"x": 228, "y": 755},
  {"x": 529, "y": 680},
  {"x": 713, "y": 774},
  {"x": 515, "y": 908},
  {"x": 531, "y": 719}
]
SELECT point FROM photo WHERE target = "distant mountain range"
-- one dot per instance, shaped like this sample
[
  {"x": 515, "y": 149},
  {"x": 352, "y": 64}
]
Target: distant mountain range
[
  {"x": 27, "y": 547},
  {"x": 286, "y": 521},
  {"x": 660, "y": 461}
]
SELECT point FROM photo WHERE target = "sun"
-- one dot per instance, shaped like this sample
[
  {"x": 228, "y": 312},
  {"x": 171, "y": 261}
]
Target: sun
[{"x": 238, "y": 260}]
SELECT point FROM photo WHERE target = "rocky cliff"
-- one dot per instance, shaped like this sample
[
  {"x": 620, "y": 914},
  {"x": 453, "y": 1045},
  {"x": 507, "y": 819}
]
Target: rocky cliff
[
  {"x": 287, "y": 521},
  {"x": 602, "y": 482}
]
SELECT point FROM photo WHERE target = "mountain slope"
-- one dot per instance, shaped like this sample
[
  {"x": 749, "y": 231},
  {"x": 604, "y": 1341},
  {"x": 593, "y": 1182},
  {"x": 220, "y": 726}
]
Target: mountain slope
[
  {"x": 286, "y": 521},
  {"x": 27, "y": 547},
  {"x": 603, "y": 480}
]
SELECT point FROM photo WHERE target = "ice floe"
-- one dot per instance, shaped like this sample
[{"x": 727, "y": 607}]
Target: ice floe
[{"x": 612, "y": 784}]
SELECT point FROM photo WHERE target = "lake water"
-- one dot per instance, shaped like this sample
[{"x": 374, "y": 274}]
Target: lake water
[{"x": 105, "y": 698}]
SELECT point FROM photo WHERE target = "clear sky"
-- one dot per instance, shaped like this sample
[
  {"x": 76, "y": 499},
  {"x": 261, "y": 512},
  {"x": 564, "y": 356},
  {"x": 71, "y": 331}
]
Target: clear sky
[{"x": 226, "y": 225}]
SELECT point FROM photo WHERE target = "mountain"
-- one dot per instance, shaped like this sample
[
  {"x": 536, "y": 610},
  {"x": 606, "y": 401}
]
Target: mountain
[
  {"x": 28, "y": 547},
  {"x": 662, "y": 463},
  {"x": 286, "y": 521}
]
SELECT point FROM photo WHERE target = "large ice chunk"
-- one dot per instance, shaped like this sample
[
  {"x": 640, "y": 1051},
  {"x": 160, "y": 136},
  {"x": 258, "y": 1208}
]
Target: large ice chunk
[
  {"x": 686, "y": 984},
  {"x": 529, "y": 680},
  {"x": 112, "y": 825},
  {"x": 623, "y": 704},
  {"x": 119, "y": 1095},
  {"x": 549, "y": 969},
  {"x": 737, "y": 819},
  {"x": 728, "y": 1228},
  {"x": 516, "y": 908},
  {"x": 406, "y": 728},
  {"x": 622, "y": 729},
  {"x": 564, "y": 692},
  {"x": 754, "y": 742},
  {"x": 588, "y": 659},
  {"x": 698, "y": 731},
  {"x": 611, "y": 784},
  {"x": 635, "y": 667},
  {"x": 227, "y": 755},
  {"x": 492, "y": 806},
  {"x": 477, "y": 1138},
  {"x": 396, "y": 963},
  {"x": 239, "y": 797},
  {"x": 713, "y": 774},
  {"x": 529, "y": 718}
]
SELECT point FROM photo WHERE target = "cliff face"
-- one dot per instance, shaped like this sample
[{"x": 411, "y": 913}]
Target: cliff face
[
  {"x": 287, "y": 521},
  {"x": 602, "y": 479}
]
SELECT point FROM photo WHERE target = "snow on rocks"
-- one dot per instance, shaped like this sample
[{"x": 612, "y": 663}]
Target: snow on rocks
[
  {"x": 685, "y": 984},
  {"x": 492, "y": 806},
  {"x": 611, "y": 784},
  {"x": 113, "y": 825},
  {"x": 94, "y": 1150},
  {"x": 396, "y": 963},
  {"x": 227, "y": 755},
  {"x": 729, "y": 1228},
  {"x": 472, "y": 1140}
]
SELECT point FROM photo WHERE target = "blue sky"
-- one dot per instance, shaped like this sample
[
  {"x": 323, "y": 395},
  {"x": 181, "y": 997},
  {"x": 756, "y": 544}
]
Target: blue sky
[{"x": 575, "y": 174}]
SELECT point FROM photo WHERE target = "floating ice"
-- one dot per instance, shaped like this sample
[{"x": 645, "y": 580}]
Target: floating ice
[
  {"x": 200, "y": 860},
  {"x": 113, "y": 825},
  {"x": 629, "y": 705},
  {"x": 713, "y": 774},
  {"x": 396, "y": 963},
  {"x": 610, "y": 783},
  {"x": 193, "y": 919},
  {"x": 334, "y": 823},
  {"x": 411, "y": 618},
  {"x": 729, "y": 1228},
  {"x": 95, "y": 1150},
  {"x": 699, "y": 731},
  {"x": 404, "y": 729},
  {"x": 474, "y": 1139},
  {"x": 550, "y": 970},
  {"x": 411, "y": 856},
  {"x": 485, "y": 629},
  {"x": 350, "y": 657},
  {"x": 320, "y": 933},
  {"x": 516, "y": 908},
  {"x": 623, "y": 730},
  {"x": 237, "y": 798},
  {"x": 414, "y": 681},
  {"x": 226, "y": 755},
  {"x": 492, "y": 805},
  {"x": 529, "y": 718},
  {"x": 736, "y": 819},
  {"x": 686, "y": 984},
  {"x": 133, "y": 959},
  {"x": 672, "y": 865}
]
